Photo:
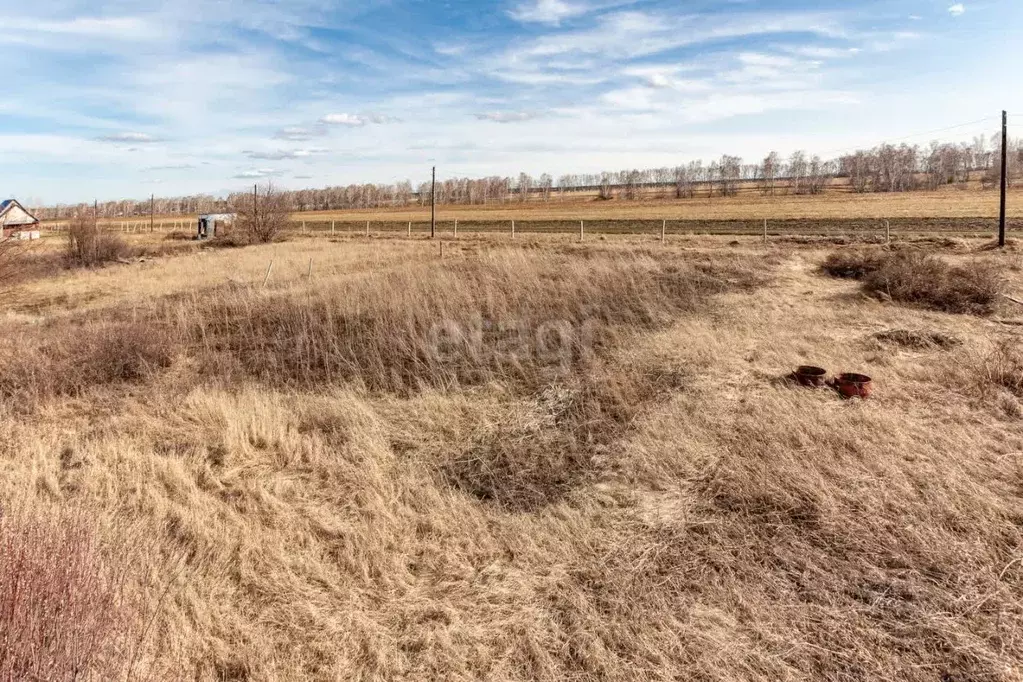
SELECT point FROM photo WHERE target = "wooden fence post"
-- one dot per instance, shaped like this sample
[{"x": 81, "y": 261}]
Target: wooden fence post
[
  {"x": 887, "y": 232},
  {"x": 765, "y": 230},
  {"x": 580, "y": 230},
  {"x": 664, "y": 225},
  {"x": 513, "y": 229}
]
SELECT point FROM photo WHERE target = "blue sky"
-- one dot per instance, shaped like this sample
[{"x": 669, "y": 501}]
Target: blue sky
[{"x": 120, "y": 99}]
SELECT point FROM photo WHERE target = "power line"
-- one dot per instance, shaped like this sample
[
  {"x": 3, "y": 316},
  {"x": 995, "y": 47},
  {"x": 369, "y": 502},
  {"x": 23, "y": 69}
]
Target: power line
[{"x": 908, "y": 137}]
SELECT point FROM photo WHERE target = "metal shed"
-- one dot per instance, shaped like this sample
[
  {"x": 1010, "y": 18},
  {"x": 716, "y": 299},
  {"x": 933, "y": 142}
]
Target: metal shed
[{"x": 209, "y": 223}]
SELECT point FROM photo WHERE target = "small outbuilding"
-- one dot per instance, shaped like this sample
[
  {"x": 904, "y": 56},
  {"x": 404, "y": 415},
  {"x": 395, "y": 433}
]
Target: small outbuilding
[
  {"x": 17, "y": 222},
  {"x": 212, "y": 223}
]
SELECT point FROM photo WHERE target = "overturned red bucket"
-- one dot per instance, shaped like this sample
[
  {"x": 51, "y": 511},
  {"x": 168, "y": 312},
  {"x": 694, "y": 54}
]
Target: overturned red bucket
[
  {"x": 854, "y": 385},
  {"x": 808, "y": 375}
]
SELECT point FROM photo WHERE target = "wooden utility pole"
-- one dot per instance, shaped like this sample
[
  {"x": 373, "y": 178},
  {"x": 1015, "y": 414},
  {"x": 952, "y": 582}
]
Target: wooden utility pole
[
  {"x": 152, "y": 210},
  {"x": 1005, "y": 177},
  {"x": 433, "y": 204}
]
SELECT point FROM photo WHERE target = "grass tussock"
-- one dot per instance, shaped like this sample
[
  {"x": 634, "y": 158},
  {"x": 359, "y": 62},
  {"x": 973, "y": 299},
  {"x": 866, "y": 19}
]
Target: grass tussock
[
  {"x": 920, "y": 279},
  {"x": 929, "y": 282},
  {"x": 918, "y": 339},
  {"x": 854, "y": 263},
  {"x": 1001, "y": 368}
]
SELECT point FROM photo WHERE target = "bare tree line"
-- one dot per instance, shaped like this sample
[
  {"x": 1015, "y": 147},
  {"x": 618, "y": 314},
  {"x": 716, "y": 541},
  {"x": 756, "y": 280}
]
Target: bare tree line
[{"x": 885, "y": 168}]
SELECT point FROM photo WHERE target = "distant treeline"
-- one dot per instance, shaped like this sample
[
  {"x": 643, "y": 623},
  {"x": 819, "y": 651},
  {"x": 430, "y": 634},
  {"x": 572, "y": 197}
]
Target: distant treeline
[{"x": 885, "y": 168}]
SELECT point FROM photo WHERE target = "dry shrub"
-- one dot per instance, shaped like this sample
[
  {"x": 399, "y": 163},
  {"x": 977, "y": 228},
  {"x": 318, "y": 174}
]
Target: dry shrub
[
  {"x": 537, "y": 457},
  {"x": 512, "y": 316},
  {"x": 88, "y": 245},
  {"x": 62, "y": 613},
  {"x": 929, "y": 282},
  {"x": 920, "y": 279},
  {"x": 854, "y": 263},
  {"x": 15, "y": 263},
  {"x": 263, "y": 216},
  {"x": 50, "y": 361}
]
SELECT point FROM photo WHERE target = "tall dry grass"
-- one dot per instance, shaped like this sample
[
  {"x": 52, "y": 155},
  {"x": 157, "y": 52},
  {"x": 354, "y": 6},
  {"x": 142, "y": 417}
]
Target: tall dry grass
[{"x": 664, "y": 506}]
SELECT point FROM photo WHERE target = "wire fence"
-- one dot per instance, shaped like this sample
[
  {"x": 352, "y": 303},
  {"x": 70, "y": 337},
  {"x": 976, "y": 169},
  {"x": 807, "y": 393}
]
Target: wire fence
[{"x": 827, "y": 227}]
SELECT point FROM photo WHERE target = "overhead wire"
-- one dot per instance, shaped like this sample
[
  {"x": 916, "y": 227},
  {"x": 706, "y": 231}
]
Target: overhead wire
[{"x": 909, "y": 137}]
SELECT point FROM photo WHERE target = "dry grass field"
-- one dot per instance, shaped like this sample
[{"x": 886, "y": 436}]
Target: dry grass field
[
  {"x": 972, "y": 202},
  {"x": 949, "y": 208},
  {"x": 528, "y": 460}
]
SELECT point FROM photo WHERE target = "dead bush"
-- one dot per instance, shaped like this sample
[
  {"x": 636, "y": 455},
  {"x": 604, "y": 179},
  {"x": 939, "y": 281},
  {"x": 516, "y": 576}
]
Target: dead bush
[
  {"x": 12, "y": 260},
  {"x": 39, "y": 364},
  {"x": 264, "y": 216},
  {"x": 929, "y": 282},
  {"x": 88, "y": 245},
  {"x": 854, "y": 263},
  {"x": 62, "y": 611}
]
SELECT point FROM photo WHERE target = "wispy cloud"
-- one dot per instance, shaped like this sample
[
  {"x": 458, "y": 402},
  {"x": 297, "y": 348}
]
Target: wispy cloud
[
  {"x": 284, "y": 154},
  {"x": 349, "y": 120},
  {"x": 507, "y": 116},
  {"x": 551, "y": 12},
  {"x": 300, "y": 133},
  {"x": 289, "y": 88},
  {"x": 128, "y": 137},
  {"x": 257, "y": 174}
]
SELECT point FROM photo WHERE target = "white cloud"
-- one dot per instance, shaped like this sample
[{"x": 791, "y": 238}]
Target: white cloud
[
  {"x": 300, "y": 133},
  {"x": 957, "y": 9},
  {"x": 506, "y": 116},
  {"x": 284, "y": 154},
  {"x": 256, "y": 174},
  {"x": 128, "y": 137},
  {"x": 350, "y": 120},
  {"x": 551, "y": 12}
]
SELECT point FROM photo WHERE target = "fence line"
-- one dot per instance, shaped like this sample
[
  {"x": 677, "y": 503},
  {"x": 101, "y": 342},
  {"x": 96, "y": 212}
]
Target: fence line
[{"x": 664, "y": 228}]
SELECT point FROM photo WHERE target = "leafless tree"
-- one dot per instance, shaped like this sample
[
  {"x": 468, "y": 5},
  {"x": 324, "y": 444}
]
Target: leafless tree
[
  {"x": 819, "y": 175},
  {"x": 730, "y": 170},
  {"x": 633, "y": 182},
  {"x": 769, "y": 172},
  {"x": 606, "y": 191},
  {"x": 797, "y": 171},
  {"x": 546, "y": 182},
  {"x": 263, "y": 215}
]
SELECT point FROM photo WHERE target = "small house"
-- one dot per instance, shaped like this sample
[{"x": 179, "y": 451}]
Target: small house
[
  {"x": 16, "y": 222},
  {"x": 212, "y": 223}
]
